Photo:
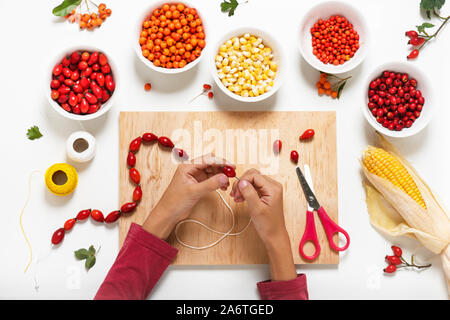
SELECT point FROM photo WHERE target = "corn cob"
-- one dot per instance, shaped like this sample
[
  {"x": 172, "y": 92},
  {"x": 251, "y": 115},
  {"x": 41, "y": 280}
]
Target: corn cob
[{"x": 389, "y": 167}]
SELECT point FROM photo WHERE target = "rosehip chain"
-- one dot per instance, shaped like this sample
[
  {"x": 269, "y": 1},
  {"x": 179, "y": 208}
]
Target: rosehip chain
[{"x": 135, "y": 176}]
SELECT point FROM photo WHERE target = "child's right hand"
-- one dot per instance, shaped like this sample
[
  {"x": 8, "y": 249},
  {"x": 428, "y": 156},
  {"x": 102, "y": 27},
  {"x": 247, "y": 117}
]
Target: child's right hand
[{"x": 264, "y": 197}]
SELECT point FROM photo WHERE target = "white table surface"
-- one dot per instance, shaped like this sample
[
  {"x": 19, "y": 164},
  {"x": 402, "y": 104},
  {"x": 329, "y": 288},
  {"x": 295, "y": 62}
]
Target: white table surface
[{"x": 31, "y": 36}]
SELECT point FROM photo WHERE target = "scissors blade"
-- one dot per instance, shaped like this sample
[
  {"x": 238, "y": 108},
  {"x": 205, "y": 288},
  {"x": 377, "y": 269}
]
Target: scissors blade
[{"x": 309, "y": 194}]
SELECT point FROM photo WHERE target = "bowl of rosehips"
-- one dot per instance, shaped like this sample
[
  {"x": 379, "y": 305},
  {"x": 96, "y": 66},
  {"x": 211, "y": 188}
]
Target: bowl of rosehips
[
  {"x": 170, "y": 37},
  {"x": 398, "y": 100},
  {"x": 82, "y": 83},
  {"x": 333, "y": 37}
]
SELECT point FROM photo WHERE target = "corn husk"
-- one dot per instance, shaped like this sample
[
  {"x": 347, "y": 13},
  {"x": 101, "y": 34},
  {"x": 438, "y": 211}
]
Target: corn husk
[{"x": 395, "y": 213}]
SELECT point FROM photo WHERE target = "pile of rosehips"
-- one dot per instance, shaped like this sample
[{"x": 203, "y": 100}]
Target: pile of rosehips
[
  {"x": 82, "y": 82},
  {"x": 394, "y": 100},
  {"x": 416, "y": 41}
]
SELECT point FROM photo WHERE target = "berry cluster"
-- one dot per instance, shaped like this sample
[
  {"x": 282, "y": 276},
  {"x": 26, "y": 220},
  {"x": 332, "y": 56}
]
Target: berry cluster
[
  {"x": 307, "y": 135},
  {"x": 82, "y": 82},
  {"x": 333, "y": 89},
  {"x": 334, "y": 41},
  {"x": 89, "y": 20},
  {"x": 397, "y": 261},
  {"x": 394, "y": 100},
  {"x": 172, "y": 36},
  {"x": 207, "y": 90}
]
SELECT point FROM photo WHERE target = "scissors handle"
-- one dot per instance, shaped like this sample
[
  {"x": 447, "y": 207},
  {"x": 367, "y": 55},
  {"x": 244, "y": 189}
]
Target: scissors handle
[
  {"x": 331, "y": 228},
  {"x": 310, "y": 234}
]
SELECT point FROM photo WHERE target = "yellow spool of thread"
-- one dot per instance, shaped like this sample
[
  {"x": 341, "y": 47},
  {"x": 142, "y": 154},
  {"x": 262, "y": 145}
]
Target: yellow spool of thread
[{"x": 61, "y": 179}]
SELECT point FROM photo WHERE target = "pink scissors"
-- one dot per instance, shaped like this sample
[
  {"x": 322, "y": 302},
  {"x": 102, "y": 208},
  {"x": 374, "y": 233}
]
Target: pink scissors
[{"x": 310, "y": 234}]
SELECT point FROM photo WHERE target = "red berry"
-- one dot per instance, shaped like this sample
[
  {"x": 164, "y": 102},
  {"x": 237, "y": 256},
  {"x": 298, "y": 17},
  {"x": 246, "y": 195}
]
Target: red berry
[
  {"x": 112, "y": 217},
  {"x": 97, "y": 215},
  {"x": 93, "y": 59},
  {"x": 397, "y": 251},
  {"x": 58, "y": 236},
  {"x": 128, "y": 207},
  {"x": 229, "y": 171},
  {"x": 102, "y": 59},
  {"x": 100, "y": 79},
  {"x": 414, "y": 54},
  {"x": 206, "y": 87},
  {"x": 149, "y": 137},
  {"x": 90, "y": 98},
  {"x": 148, "y": 86},
  {"x": 83, "y": 214},
  {"x": 277, "y": 145},
  {"x": 393, "y": 260},
  {"x": 135, "y": 175},
  {"x": 412, "y": 34},
  {"x": 165, "y": 142},
  {"x": 294, "y": 156},
  {"x": 137, "y": 194},
  {"x": 135, "y": 144},
  {"x": 57, "y": 70},
  {"x": 416, "y": 41},
  {"x": 131, "y": 159},
  {"x": 390, "y": 268},
  {"x": 69, "y": 224},
  {"x": 180, "y": 153},
  {"x": 308, "y": 134},
  {"x": 210, "y": 94}
]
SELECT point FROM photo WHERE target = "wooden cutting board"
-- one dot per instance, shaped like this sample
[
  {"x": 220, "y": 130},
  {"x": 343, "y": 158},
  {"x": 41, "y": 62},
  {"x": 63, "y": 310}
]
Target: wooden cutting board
[{"x": 246, "y": 139}]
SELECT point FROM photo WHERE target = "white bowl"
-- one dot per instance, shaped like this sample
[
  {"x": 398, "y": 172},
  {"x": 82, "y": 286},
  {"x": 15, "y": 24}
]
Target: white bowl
[
  {"x": 80, "y": 117},
  {"x": 269, "y": 41},
  {"x": 138, "y": 29},
  {"x": 423, "y": 84},
  {"x": 324, "y": 11}
]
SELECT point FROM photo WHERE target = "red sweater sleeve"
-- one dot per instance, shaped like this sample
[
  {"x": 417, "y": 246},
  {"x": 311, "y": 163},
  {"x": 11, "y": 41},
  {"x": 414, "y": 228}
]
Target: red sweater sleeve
[
  {"x": 284, "y": 290},
  {"x": 138, "y": 267}
]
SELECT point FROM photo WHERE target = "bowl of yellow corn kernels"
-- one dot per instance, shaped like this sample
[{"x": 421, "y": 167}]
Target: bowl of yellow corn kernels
[{"x": 246, "y": 64}]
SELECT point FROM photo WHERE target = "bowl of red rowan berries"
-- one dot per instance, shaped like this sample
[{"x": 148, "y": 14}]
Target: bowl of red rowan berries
[
  {"x": 170, "y": 37},
  {"x": 398, "y": 100},
  {"x": 333, "y": 37},
  {"x": 82, "y": 83}
]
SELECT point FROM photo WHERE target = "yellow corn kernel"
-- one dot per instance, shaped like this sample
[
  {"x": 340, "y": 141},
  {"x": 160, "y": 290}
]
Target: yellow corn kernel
[{"x": 387, "y": 166}]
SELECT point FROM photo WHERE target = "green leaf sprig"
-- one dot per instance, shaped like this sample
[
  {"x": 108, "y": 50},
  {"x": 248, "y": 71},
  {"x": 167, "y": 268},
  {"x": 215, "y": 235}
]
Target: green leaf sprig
[
  {"x": 229, "y": 6},
  {"x": 88, "y": 255},
  {"x": 431, "y": 6},
  {"x": 34, "y": 133},
  {"x": 66, "y": 7}
]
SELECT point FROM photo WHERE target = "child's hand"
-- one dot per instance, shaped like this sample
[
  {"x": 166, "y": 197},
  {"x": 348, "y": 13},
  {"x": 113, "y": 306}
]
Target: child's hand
[
  {"x": 191, "y": 181},
  {"x": 264, "y": 197}
]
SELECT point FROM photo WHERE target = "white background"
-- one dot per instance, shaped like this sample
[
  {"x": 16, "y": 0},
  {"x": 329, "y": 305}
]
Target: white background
[{"x": 31, "y": 36}]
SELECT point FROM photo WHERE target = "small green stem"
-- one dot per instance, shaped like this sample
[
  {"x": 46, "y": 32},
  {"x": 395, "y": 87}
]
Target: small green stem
[
  {"x": 435, "y": 34},
  {"x": 412, "y": 264}
]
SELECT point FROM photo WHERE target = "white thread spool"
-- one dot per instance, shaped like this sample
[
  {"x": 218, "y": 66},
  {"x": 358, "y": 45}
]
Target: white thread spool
[{"x": 80, "y": 147}]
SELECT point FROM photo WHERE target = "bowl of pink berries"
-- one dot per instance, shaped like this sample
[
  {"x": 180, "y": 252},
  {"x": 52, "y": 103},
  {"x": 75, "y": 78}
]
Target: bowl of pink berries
[
  {"x": 82, "y": 83},
  {"x": 398, "y": 100}
]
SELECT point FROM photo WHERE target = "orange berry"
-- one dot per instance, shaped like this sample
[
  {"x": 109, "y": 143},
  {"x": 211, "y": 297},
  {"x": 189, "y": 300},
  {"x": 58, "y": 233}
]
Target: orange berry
[
  {"x": 147, "y": 86},
  {"x": 334, "y": 94},
  {"x": 318, "y": 85},
  {"x": 108, "y": 12},
  {"x": 83, "y": 25},
  {"x": 320, "y": 91},
  {"x": 327, "y": 85},
  {"x": 328, "y": 92}
]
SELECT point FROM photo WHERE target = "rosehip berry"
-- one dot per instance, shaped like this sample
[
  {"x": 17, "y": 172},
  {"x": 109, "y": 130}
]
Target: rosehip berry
[
  {"x": 83, "y": 214},
  {"x": 135, "y": 175},
  {"x": 390, "y": 268},
  {"x": 58, "y": 236},
  {"x": 69, "y": 224},
  {"x": 135, "y": 144},
  {"x": 393, "y": 260},
  {"x": 128, "y": 207},
  {"x": 397, "y": 251},
  {"x": 97, "y": 215},
  {"x": 149, "y": 137},
  {"x": 308, "y": 134},
  {"x": 414, "y": 54},
  {"x": 229, "y": 171},
  {"x": 277, "y": 145},
  {"x": 131, "y": 159},
  {"x": 112, "y": 216},
  {"x": 294, "y": 156},
  {"x": 137, "y": 194},
  {"x": 165, "y": 142}
]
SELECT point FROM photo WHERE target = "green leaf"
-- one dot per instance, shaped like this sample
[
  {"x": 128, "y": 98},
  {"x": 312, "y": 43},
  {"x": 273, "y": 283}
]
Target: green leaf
[
  {"x": 92, "y": 250},
  {"x": 229, "y": 6},
  {"x": 66, "y": 7},
  {"x": 430, "y": 5},
  {"x": 424, "y": 26},
  {"x": 34, "y": 133},
  {"x": 82, "y": 254},
  {"x": 90, "y": 261},
  {"x": 341, "y": 87}
]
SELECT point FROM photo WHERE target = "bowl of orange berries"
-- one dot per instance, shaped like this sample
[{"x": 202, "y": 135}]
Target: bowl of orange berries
[{"x": 171, "y": 37}]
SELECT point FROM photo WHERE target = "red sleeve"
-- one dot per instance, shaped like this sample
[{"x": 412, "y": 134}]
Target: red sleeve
[
  {"x": 284, "y": 290},
  {"x": 138, "y": 266}
]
